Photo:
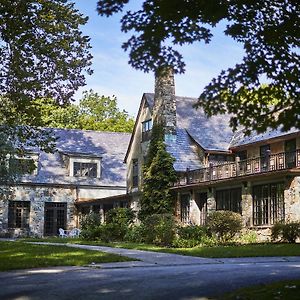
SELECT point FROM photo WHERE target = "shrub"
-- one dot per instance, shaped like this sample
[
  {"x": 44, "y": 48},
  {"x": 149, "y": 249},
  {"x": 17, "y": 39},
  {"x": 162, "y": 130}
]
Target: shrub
[
  {"x": 185, "y": 243},
  {"x": 286, "y": 232},
  {"x": 90, "y": 221},
  {"x": 135, "y": 234},
  {"x": 194, "y": 232},
  {"x": 159, "y": 229},
  {"x": 118, "y": 221},
  {"x": 247, "y": 237},
  {"x": 224, "y": 224}
]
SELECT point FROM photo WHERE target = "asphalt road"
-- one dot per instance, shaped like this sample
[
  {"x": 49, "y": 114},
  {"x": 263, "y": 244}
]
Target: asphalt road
[{"x": 190, "y": 281}]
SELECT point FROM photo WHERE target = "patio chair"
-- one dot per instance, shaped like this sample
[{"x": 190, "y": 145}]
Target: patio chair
[
  {"x": 62, "y": 233},
  {"x": 75, "y": 232}
]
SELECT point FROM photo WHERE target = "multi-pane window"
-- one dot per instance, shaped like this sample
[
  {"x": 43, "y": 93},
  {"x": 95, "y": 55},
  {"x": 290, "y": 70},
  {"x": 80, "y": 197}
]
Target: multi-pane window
[
  {"x": 185, "y": 208},
  {"x": 18, "y": 214},
  {"x": 135, "y": 173},
  {"x": 146, "y": 130},
  {"x": 229, "y": 200},
  {"x": 268, "y": 204},
  {"x": 22, "y": 165},
  {"x": 85, "y": 169}
]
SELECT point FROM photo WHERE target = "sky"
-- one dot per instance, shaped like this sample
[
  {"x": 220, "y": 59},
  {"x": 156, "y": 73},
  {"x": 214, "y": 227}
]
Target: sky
[{"x": 114, "y": 76}]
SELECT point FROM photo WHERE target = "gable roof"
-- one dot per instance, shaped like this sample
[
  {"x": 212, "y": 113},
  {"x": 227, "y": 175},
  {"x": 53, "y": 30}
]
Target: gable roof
[
  {"x": 211, "y": 133},
  {"x": 109, "y": 146}
]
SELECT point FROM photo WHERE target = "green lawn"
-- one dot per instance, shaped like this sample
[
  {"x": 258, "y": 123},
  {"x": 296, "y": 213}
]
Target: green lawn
[
  {"x": 249, "y": 250},
  {"x": 280, "y": 290},
  {"x": 20, "y": 255}
]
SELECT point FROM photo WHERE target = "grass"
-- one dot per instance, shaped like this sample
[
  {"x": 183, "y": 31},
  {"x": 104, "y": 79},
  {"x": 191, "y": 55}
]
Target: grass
[
  {"x": 279, "y": 290},
  {"x": 248, "y": 250},
  {"x": 20, "y": 255}
]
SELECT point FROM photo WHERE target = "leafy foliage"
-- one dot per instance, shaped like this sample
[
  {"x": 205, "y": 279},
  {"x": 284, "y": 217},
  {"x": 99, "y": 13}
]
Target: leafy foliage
[
  {"x": 94, "y": 112},
  {"x": 159, "y": 229},
  {"x": 288, "y": 232},
  {"x": 43, "y": 54},
  {"x": 268, "y": 30},
  {"x": 159, "y": 175},
  {"x": 224, "y": 224}
]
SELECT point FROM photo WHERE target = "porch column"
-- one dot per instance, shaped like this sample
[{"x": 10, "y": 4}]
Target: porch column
[
  {"x": 211, "y": 200},
  {"x": 101, "y": 213},
  {"x": 292, "y": 199},
  {"x": 247, "y": 204}
]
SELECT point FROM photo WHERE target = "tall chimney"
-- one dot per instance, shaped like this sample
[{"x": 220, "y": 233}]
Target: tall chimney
[{"x": 164, "y": 110}]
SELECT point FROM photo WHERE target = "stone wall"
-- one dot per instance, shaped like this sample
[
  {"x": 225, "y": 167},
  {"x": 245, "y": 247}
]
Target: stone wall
[{"x": 37, "y": 197}]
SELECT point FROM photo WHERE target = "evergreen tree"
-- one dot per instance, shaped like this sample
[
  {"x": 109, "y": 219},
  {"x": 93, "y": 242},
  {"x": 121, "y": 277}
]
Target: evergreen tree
[{"x": 159, "y": 175}]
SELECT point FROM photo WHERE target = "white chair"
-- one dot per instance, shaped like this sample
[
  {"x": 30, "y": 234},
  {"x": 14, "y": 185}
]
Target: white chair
[
  {"x": 62, "y": 233},
  {"x": 75, "y": 232}
]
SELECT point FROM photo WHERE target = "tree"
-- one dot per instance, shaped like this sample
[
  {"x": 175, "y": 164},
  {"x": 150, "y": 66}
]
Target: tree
[
  {"x": 43, "y": 55},
  {"x": 268, "y": 30},
  {"x": 94, "y": 112},
  {"x": 159, "y": 175}
]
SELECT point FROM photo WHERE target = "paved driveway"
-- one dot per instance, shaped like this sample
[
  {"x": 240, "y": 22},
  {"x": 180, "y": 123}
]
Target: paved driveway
[{"x": 158, "y": 276}]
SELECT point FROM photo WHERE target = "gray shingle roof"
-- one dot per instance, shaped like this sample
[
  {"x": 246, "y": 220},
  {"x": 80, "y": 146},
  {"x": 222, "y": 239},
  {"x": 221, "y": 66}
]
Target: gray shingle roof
[
  {"x": 110, "y": 146},
  {"x": 210, "y": 133},
  {"x": 240, "y": 139}
]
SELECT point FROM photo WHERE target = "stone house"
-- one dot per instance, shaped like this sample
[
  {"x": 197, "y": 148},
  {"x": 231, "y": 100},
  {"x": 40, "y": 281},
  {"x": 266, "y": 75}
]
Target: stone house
[
  {"x": 257, "y": 176},
  {"x": 87, "y": 165}
]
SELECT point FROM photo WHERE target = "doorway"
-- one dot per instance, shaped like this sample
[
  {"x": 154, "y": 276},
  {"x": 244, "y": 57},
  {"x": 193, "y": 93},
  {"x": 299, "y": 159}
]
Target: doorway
[{"x": 55, "y": 217}]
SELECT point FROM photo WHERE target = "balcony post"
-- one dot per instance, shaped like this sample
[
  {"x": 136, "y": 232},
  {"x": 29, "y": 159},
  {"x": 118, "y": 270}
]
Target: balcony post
[
  {"x": 210, "y": 171},
  {"x": 187, "y": 176},
  {"x": 237, "y": 165}
]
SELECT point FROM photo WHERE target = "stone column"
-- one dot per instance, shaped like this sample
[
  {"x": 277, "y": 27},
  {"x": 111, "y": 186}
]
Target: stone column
[
  {"x": 211, "y": 201},
  {"x": 292, "y": 199},
  {"x": 247, "y": 204}
]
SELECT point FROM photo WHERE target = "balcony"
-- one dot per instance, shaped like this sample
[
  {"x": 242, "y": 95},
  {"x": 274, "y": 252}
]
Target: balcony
[{"x": 239, "y": 168}]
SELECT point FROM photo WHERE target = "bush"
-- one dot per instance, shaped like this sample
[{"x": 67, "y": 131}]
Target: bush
[
  {"x": 159, "y": 229},
  {"x": 194, "y": 232},
  {"x": 286, "y": 232},
  {"x": 90, "y": 221},
  {"x": 247, "y": 237},
  {"x": 224, "y": 224},
  {"x": 135, "y": 234}
]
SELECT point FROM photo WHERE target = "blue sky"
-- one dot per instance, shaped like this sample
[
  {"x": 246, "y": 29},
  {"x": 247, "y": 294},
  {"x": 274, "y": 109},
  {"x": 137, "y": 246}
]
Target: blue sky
[{"x": 113, "y": 76}]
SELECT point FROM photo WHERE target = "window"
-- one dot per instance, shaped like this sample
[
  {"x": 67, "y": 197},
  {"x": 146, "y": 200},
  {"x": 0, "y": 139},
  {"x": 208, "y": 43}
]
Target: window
[
  {"x": 290, "y": 153},
  {"x": 229, "y": 200},
  {"x": 82, "y": 169},
  {"x": 135, "y": 173},
  {"x": 268, "y": 204},
  {"x": 146, "y": 130},
  {"x": 201, "y": 201},
  {"x": 185, "y": 208},
  {"x": 264, "y": 158},
  {"x": 55, "y": 217},
  {"x": 22, "y": 166},
  {"x": 18, "y": 214}
]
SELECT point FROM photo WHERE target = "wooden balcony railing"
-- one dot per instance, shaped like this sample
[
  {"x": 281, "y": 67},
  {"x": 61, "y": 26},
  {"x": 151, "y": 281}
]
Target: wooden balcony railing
[{"x": 262, "y": 164}]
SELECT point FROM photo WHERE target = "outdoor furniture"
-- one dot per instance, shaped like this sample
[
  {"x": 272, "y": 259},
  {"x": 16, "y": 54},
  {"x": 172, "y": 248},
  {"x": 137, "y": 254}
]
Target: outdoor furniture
[
  {"x": 62, "y": 233},
  {"x": 75, "y": 232}
]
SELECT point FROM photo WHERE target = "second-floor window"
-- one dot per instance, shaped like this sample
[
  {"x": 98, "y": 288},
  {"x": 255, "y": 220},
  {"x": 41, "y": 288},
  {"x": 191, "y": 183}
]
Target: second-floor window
[
  {"x": 82, "y": 169},
  {"x": 135, "y": 173},
  {"x": 146, "y": 130}
]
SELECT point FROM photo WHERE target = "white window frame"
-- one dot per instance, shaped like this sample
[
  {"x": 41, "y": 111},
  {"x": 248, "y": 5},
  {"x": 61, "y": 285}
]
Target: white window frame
[{"x": 84, "y": 160}]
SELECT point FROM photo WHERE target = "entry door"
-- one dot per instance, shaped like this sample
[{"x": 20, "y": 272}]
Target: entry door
[
  {"x": 264, "y": 158},
  {"x": 290, "y": 154},
  {"x": 55, "y": 217},
  {"x": 201, "y": 201}
]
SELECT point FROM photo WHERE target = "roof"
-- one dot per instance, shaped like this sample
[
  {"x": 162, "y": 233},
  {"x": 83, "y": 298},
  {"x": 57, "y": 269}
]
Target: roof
[
  {"x": 212, "y": 133},
  {"x": 239, "y": 139},
  {"x": 109, "y": 146}
]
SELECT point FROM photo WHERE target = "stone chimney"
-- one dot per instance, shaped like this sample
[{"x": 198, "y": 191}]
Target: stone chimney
[{"x": 164, "y": 110}]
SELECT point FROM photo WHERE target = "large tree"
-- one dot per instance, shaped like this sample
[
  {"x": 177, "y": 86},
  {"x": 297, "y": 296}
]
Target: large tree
[
  {"x": 268, "y": 30},
  {"x": 94, "y": 112},
  {"x": 43, "y": 54}
]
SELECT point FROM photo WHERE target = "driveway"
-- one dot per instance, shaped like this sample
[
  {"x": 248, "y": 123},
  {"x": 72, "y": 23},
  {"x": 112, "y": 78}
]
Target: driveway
[{"x": 157, "y": 276}]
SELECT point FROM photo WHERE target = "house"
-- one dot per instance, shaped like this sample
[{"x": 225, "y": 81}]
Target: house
[
  {"x": 257, "y": 176},
  {"x": 86, "y": 165}
]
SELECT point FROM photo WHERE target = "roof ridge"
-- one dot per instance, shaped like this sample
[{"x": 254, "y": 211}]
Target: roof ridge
[{"x": 88, "y": 130}]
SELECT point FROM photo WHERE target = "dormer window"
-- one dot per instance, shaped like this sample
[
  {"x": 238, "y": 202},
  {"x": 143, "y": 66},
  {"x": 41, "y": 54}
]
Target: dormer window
[
  {"x": 24, "y": 165},
  {"x": 146, "y": 130},
  {"x": 85, "y": 169},
  {"x": 84, "y": 165}
]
